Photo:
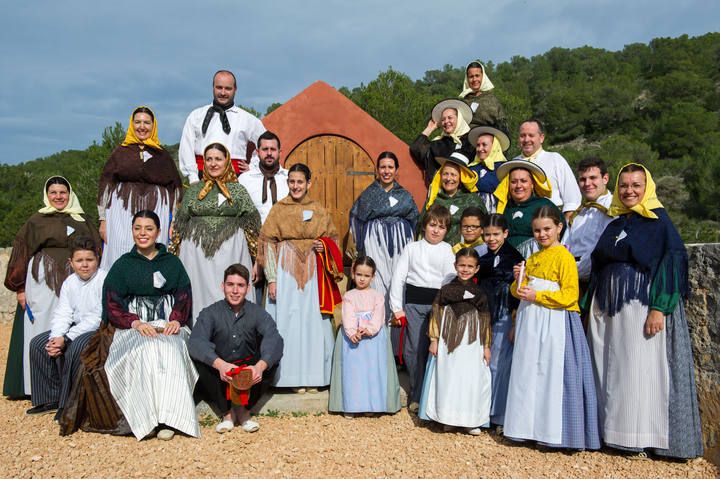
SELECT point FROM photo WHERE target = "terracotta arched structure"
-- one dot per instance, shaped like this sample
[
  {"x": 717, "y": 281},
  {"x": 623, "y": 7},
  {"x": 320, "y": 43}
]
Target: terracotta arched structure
[{"x": 322, "y": 110}]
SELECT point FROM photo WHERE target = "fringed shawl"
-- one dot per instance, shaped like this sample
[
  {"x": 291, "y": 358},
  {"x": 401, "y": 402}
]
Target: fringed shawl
[
  {"x": 654, "y": 249},
  {"x": 462, "y": 312},
  {"x": 138, "y": 178},
  {"x": 285, "y": 225},
  {"x": 210, "y": 224},
  {"x": 374, "y": 204},
  {"x": 46, "y": 239}
]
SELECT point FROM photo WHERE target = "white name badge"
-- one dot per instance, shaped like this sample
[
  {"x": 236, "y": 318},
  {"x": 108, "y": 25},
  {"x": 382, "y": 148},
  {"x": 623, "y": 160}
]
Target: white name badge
[
  {"x": 70, "y": 230},
  {"x": 307, "y": 215},
  {"x": 473, "y": 106},
  {"x": 483, "y": 173},
  {"x": 158, "y": 279},
  {"x": 453, "y": 209},
  {"x": 496, "y": 262},
  {"x": 620, "y": 237},
  {"x": 468, "y": 295},
  {"x": 221, "y": 199},
  {"x": 146, "y": 155},
  {"x": 392, "y": 201},
  {"x": 517, "y": 214}
]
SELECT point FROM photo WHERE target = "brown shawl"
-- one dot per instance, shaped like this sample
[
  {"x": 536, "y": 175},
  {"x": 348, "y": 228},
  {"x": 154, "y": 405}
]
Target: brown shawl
[
  {"x": 138, "y": 178},
  {"x": 462, "y": 313},
  {"x": 284, "y": 225},
  {"x": 44, "y": 239}
]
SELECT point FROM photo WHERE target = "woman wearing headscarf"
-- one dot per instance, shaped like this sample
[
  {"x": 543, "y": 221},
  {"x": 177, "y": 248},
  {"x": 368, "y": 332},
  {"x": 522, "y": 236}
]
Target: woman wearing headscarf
[
  {"x": 454, "y": 188},
  {"x": 452, "y": 117},
  {"x": 478, "y": 93},
  {"x": 637, "y": 330},
  {"x": 138, "y": 175},
  {"x": 490, "y": 145},
  {"x": 523, "y": 189},
  {"x": 218, "y": 225},
  {"x": 37, "y": 268}
]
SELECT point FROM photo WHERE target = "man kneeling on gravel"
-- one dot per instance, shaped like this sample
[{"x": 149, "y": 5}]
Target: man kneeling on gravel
[{"x": 231, "y": 339}]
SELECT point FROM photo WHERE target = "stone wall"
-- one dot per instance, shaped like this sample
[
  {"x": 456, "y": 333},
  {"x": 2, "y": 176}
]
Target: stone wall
[{"x": 702, "y": 315}]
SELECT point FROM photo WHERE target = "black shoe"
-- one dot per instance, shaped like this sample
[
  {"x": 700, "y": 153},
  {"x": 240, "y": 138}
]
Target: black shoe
[{"x": 42, "y": 409}]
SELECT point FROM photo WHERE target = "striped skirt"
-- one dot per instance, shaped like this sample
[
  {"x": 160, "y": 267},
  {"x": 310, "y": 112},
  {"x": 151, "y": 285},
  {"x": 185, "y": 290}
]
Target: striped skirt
[{"x": 152, "y": 379}]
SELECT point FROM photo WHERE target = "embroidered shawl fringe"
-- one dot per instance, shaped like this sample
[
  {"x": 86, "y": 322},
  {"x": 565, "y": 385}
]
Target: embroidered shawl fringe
[
  {"x": 55, "y": 273},
  {"x": 619, "y": 284},
  {"x": 210, "y": 237},
  {"x": 454, "y": 326},
  {"x": 139, "y": 196}
]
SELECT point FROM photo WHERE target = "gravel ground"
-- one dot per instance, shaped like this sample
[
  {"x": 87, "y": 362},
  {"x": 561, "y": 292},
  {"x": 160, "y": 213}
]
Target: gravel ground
[{"x": 297, "y": 445}]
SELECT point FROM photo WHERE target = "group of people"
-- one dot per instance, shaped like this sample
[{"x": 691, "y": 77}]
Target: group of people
[{"x": 519, "y": 297}]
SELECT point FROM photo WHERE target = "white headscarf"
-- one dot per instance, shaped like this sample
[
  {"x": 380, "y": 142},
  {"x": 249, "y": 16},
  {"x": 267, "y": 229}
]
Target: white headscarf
[
  {"x": 486, "y": 84},
  {"x": 73, "y": 207}
]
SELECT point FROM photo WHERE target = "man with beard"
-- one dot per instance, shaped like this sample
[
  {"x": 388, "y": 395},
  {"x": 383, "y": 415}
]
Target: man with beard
[{"x": 220, "y": 122}]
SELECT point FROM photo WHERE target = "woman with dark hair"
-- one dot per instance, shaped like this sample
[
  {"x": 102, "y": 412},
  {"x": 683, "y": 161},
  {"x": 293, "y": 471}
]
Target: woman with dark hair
[
  {"x": 452, "y": 116},
  {"x": 138, "y": 175},
  {"x": 382, "y": 223},
  {"x": 637, "y": 330},
  {"x": 147, "y": 299},
  {"x": 478, "y": 93},
  {"x": 298, "y": 249},
  {"x": 37, "y": 268},
  {"x": 218, "y": 225}
]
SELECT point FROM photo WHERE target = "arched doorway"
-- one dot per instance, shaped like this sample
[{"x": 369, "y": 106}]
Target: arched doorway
[{"x": 341, "y": 170}]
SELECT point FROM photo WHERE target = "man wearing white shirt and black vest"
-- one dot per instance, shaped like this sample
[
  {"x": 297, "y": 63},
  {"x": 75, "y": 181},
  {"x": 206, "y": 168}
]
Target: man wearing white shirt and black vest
[
  {"x": 219, "y": 122},
  {"x": 589, "y": 220},
  {"x": 565, "y": 191}
]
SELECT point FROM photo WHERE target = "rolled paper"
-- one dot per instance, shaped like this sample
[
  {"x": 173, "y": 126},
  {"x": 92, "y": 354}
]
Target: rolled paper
[{"x": 521, "y": 276}]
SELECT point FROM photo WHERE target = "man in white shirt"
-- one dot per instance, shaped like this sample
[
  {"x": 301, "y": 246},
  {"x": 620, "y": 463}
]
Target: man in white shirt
[
  {"x": 565, "y": 191},
  {"x": 266, "y": 180},
  {"x": 55, "y": 354},
  {"x": 219, "y": 122},
  {"x": 589, "y": 220}
]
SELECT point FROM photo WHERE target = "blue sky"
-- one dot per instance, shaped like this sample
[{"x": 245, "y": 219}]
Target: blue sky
[{"x": 70, "y": 68}]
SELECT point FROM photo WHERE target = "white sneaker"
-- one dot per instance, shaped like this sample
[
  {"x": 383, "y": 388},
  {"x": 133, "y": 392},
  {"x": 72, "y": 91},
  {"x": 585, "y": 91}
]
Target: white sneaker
[
  {"x": 474, "y": 431},
  {"x": 225, "y": 426},
  {"x": 250, "y": 426}
]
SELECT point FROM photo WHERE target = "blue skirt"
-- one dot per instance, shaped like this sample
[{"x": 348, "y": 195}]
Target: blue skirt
[{"x": 500, "y": 364}]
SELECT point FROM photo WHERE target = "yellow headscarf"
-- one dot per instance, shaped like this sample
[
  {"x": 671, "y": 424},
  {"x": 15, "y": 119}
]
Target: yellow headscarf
[
  {"x": 486, "y": 84},
  {"x": 495, "y": 156},
  {"x": 648, "y": 202},
  {"x": 73, "y": 207},
  {"x": 468, "y": 179},
  {"x": 228, "y": 175},
  {"x": 132, "y": 139},
  {"x": 502, "y": 192},
  {"x": 460, "y": 129}
]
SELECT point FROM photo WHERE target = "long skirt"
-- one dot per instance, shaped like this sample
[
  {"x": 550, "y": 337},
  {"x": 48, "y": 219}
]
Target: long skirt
[
  {"x": 458, "y": 391},
  {"x": 646, "y": 385},
  {"x": 308, "y": 334},
  {"x": 152, "y": 379},
  {"x": 501, "y": 353},
  {"x": 206, "y": 274},
  {"x": 364, "y": 377},
  {"x": 378, "y": 248},
  {"x": 551, "y": 395},
  {"x": 41, "y": 301},
  {"x": 118, "y": 222}
]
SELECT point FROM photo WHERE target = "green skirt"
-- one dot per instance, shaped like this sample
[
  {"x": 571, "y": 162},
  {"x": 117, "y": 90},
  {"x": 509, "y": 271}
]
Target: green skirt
[{"x": 14, "y": 385}]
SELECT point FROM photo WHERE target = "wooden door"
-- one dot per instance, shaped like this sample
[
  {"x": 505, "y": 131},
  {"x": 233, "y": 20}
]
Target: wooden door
[{"x": 340, "y": 169}]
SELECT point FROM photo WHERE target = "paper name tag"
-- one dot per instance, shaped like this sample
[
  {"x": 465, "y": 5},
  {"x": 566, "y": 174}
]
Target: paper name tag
[
  {"x": 620, "y": 237},
  {"x": 453, "y": 209},
  {"x": 392, "y": 201},
  {"x": 483, "y": 173},
  {"x": 468, "y": 295},
  {"x": 517, "y": 214},
  {"x": 496, "y": 261},
  {"x": 474, "y": 106},
  {"x": 158, "y": 279},
  {"x": 221, "y": 199},
  {"x": 146, "y": 155},
  {"x": 307, "y": 215},
  {"x": 70, "y": 230}
]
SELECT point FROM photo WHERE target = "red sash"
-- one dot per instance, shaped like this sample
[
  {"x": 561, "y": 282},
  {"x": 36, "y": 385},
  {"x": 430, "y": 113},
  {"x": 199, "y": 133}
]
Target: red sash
[{"x": 329, "y": 271}]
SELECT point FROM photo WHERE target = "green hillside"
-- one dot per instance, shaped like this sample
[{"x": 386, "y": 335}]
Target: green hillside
[{"x": 658, "y": 104}]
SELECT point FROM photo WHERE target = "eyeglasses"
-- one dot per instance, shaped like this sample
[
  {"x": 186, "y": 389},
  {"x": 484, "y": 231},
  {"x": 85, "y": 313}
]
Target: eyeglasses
[{"x": 470, "y": 227}]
